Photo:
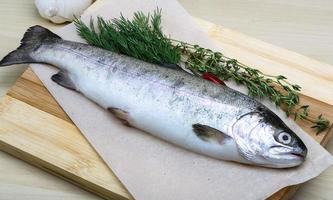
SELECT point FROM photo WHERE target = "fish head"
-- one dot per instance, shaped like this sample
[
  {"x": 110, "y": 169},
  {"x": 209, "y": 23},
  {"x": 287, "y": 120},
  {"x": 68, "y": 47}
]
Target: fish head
[{"x": 264, "y": 139}]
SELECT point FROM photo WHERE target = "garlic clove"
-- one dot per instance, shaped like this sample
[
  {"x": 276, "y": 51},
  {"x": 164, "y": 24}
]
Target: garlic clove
[
  {"x": 51, "y": 12},
  {"x": 60, "y": 11},
  {"x": 74, "y": 8}
]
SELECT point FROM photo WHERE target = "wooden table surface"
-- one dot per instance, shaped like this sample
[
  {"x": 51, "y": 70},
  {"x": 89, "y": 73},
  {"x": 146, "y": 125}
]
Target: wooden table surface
[{"x": 302, "y": 26}]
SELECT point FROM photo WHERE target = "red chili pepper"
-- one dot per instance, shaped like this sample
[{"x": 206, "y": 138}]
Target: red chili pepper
[{"x": 211, "y": 77}]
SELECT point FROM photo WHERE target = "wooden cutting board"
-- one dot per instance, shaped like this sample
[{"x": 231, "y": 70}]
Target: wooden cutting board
[{"x": 34, "y": 128}]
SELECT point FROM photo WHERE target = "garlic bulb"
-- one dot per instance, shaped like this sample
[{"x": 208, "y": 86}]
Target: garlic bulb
[{"x": 60, "y": 11}]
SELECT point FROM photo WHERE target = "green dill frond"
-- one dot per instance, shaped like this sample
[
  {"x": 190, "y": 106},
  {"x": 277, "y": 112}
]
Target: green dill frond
[{"x": 140, "y": 37}]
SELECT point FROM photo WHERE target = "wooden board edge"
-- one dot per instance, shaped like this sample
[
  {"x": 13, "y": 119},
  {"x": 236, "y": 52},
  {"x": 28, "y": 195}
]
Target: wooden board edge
[
  {"x": 285, "y": 193},
  {"x": 250, "y": 44},
  {"x": 327, "y": 136},
  {"x": 54, "y": 170}
]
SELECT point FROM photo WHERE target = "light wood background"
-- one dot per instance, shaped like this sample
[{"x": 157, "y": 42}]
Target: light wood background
[{"x": 298, "y": 25}]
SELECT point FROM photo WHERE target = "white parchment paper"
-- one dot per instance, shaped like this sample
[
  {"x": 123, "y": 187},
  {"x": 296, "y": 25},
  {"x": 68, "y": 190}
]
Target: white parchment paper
[{"x": 155, "y": 170}]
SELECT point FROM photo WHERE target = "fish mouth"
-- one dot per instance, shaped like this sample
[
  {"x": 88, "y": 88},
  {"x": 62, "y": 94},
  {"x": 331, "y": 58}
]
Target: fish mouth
[
  {"x": 298, "y": 155},
  {"x": 292, "y": 155}
]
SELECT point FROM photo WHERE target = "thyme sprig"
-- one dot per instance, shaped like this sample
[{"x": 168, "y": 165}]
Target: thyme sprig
[
  {"x": 260, "y": 85},
  {"x": 320, "y": 123},
  {"x": 142, "y": 38}
]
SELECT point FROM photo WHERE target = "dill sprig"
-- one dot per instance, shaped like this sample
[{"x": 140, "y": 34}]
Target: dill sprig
[{"x": 142, "y": 38}]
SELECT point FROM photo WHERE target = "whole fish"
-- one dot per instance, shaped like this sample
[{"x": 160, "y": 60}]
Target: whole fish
[{"x": 185, "y": 110}]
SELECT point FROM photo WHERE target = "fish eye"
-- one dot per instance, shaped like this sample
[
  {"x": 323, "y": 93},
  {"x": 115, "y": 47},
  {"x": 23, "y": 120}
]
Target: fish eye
[{"x": 284, "y": 138}]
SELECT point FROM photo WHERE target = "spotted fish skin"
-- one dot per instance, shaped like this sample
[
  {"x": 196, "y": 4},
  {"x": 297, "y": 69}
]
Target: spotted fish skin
[{"x": 170, "y": 104}]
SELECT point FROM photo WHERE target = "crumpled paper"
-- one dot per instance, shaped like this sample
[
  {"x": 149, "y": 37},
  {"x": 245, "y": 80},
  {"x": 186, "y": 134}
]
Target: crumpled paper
[{"x": 153, "y": 169}]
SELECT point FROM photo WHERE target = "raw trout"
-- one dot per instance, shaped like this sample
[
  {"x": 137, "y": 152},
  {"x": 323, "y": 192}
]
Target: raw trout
[{"x": 185, "y": 110}]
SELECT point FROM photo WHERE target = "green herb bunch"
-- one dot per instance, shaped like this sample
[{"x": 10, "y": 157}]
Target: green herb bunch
[{"x": 142, "y": 38}]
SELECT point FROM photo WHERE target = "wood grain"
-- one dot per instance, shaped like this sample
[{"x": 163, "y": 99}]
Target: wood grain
[
  {"x": 23, "y": 134},
  {"x": 59, "y": 147},
  {"x": 29, "y": 97},
  {"x": 233, "y": 48}
]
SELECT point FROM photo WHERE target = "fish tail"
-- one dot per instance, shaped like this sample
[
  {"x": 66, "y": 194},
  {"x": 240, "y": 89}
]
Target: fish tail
[{"x": 31, "y": 40}]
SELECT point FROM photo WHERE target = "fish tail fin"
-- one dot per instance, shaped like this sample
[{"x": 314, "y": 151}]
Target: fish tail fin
[{"x": 31, "y": 40}]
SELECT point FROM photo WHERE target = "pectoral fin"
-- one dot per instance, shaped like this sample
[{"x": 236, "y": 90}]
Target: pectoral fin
[
  {"x": 64, "y": 80},
  {"x": 209, "y": 134}
]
